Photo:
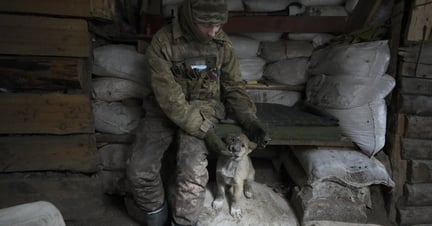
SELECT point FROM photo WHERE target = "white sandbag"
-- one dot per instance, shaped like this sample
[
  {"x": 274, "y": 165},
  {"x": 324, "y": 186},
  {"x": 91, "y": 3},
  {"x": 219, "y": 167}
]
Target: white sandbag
[
  {"x": 116, "y": 117},
  {"x": 350, "y": 5},
  {"x": 289, "y": 71},
  {"x": 235, "y": 5},
  {"x": 344, "y": 92},
  {"x": 252, "y": 68},
  {"x": 285, "y": 49},
  {"x": 38, "y": 213},
  {"x": 345, "y": 166},
  {"x": 317, "y": 39},
  {"x": 115, "y": 89},
  {"x": 364, "y": 125},
  {"x": 367, "y": 59},
  {"x": 264, "y": 36},
  {"x": 326, "y": 11},
  {"x": 121, "y": 61},
  {"x": 287, "y": 98},
  {"x": 244, "y": 47},
  {"x": 265, "y": 5},
  {"x": 322, "y": 2}
]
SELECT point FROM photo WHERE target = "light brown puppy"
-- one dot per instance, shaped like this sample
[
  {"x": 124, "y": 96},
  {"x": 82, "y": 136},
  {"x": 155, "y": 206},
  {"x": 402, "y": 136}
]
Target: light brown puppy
[{"x": 235, "y": 171}]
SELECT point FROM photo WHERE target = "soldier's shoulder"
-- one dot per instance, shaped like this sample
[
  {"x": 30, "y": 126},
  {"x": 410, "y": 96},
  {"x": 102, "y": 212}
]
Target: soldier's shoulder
[
  {"x": 164, "y": 34},
  {"x": 224, "y": 39}
]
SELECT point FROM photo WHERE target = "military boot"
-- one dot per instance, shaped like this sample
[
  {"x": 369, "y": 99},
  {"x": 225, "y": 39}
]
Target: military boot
[{"x": 157, "y": 217}]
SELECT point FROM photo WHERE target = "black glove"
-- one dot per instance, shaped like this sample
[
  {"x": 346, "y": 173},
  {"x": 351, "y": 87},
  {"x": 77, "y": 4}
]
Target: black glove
[
  {"x": 215, "y": 143},
  {"x": 257, "y": 133}
]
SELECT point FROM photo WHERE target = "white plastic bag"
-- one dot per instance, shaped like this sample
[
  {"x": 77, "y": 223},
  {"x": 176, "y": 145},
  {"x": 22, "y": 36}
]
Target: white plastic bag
[
  {"x": 252, "y": 68},
  {"x": 289, "y": 71},
  {"x": 244, "y": 47},
  {"x": 344, "y": 92},
  {"x": 287, "y": 98},
  {"x": 345, "y": 166},
  {"x": 369, "y": 59},
  {"x": 115, "y": 89},
  {"x": 115, "y": 117},
  {"x": 364, "y": 125},
  {"x": 121, "y": 61},
  {"x": 285, "y": 49}
]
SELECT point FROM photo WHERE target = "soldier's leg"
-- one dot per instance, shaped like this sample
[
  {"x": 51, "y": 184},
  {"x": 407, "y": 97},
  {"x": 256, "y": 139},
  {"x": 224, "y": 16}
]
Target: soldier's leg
[
  {"x": 153, "y": 137},
  {"x": 192, "y": 177}
]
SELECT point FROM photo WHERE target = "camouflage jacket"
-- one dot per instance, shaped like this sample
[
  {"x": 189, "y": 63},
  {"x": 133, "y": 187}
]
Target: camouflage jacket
[{"x": 183, "y": 98}]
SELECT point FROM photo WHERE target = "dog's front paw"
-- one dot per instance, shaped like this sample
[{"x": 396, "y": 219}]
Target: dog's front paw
[
  {"x": 248, "y": 191},
  {"x": 217, "y": 204},
  {"x": 235, "y": 212}
]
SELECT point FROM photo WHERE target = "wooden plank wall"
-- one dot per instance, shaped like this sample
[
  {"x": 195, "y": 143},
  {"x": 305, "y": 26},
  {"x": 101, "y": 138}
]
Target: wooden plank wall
[
  {"x": 47, "y": 136},
  {"x": 412, "y": 118}
]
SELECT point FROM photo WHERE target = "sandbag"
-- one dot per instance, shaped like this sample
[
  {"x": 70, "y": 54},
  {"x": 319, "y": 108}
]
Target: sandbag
[
  {"x": 367, "y": 59},
  {"x": 115, "y": 89},
  {"x": 344, "y": 92},
  {"x": 326, "y": 11},
  {"x": 285, "y": 49},
  {"x": 116, "y": 117},
  {"x": 264, "y": 36},
  {"x": 289, "y": 71},
  {"x": 317, "y": 39},
  {"x": 287, "y": 98},
  {"x": 322, "y": 2},
  {"x": 121, "y": 61},
  {"x": 344, "y": 166},
  {"x": 235, "y": 5},
  {"x": 252, "y": 68},
  {"x": 364, "y": 125},
  {"x": 244, "y": 47},
  {"x": 266, "y": 6}
]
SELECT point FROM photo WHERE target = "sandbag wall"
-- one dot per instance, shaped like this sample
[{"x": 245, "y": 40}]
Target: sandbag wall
[
  {"x": 276, "y": 58},
  {"x": 47, "y": 139}
]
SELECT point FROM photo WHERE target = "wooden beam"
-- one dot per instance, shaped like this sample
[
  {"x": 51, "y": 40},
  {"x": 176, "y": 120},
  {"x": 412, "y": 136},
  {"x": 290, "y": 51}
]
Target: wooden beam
[
  {"x": 70, "y": 8},
  {"x": 262, "y": 23},
  {"x": 44, "y": 36},
  {"x": 362, "y": 13},
  {"x": 420, "y": 21},
  {"x": 45, "y": 114},
  {"x": 42, "y": 73},
  {"x": 416, "y": 149},
  {"x": 419, "y": 194},
  {"x": 420, "y": 171},
  {"x": 39, "y": 153},
  {"x": 418, "y": 127}
]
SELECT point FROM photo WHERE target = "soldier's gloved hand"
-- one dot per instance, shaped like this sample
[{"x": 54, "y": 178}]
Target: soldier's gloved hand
[
  {"x": 257, "y": 133},
  {"x": 215, "y": 143}
]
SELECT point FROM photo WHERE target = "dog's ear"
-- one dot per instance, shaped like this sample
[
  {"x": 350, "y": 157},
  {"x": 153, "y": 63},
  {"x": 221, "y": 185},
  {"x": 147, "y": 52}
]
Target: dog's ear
[{"x": 252, "y": 145}]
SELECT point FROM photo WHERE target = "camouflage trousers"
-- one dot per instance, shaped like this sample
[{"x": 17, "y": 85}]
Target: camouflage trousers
[{"x": 153, "y": 137}]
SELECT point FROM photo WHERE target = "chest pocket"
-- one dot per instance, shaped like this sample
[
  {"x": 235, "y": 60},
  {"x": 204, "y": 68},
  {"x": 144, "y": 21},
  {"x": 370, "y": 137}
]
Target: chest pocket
[{"x": 197, "y": 70}]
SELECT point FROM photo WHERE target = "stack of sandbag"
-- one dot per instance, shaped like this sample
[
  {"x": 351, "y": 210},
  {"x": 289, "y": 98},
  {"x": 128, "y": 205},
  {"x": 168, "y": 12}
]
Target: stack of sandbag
[
  {"x": 337, "y": 184},
  {"x": 349, "y": 82},
  {"x": 120, "y": 81},
  {"x": 169, "y": 7}
]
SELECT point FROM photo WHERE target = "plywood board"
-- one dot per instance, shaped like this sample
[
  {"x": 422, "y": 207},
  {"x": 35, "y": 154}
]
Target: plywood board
[
  {"x": 71, "y": 8},
  {"x": 52, "y": 113},
  {"x": 420, "y": 171},
  {"x": 420, "y": 22},
  {"x": 418, "y": 127},
  {"x": 42, "y": 73},
  {"x": 39, "y": 153},
  {"x": 35, "y": 35},
  {"x": 416, "y": 149}
]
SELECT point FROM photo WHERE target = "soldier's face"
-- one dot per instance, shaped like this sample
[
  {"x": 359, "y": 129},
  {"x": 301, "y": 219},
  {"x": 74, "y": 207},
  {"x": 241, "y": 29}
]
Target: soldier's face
[{"x": 209, "y": 29}]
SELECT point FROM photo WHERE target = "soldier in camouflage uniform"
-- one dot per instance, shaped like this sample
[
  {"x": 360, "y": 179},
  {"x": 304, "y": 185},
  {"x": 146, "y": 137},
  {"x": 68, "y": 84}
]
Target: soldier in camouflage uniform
[{"x": 195, "y": 76}]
